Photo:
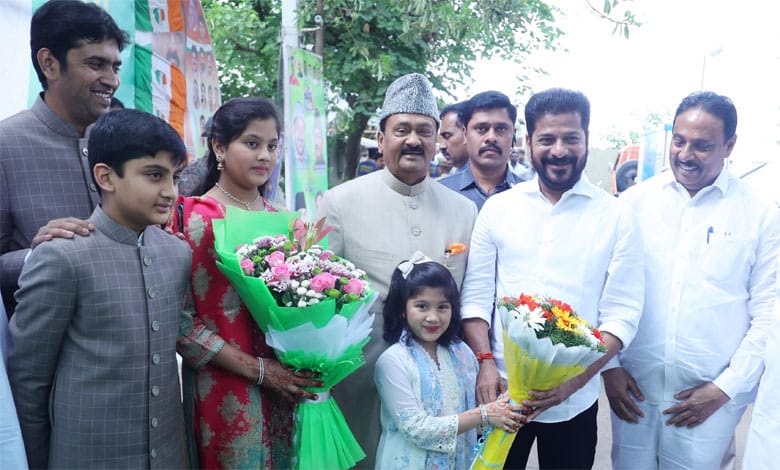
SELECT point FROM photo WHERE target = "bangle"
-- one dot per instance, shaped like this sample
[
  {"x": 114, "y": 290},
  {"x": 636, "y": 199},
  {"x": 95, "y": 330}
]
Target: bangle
[
  {"x": 484, "y": 413},
  {"x": 484, "y": 355},
  {"x": 261, "y": 375}
]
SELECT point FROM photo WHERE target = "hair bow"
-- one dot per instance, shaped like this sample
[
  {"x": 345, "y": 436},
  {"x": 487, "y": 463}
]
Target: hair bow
[{"x": 406, "y": 266}]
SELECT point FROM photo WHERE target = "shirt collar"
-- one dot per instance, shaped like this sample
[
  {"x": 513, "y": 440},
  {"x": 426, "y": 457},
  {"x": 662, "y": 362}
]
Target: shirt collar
[
  {"x": 402, "y": 188},
  {"x": 582, "y": 187},
  {"x": 467, "y": 179},
  {"x": 721, "y": 183}
]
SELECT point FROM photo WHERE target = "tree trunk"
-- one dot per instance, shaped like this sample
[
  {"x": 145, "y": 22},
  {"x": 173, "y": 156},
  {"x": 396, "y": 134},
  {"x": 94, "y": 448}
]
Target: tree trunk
[
  {"x": 352, "y": 151},
  {"x": 319, "y": 35}
]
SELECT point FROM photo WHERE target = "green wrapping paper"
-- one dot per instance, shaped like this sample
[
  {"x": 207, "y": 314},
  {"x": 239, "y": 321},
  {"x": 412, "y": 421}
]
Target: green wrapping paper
[{"x": 316, "y": 337}]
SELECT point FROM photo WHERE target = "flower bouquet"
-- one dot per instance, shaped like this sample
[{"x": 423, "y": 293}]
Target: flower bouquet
[
  {"x": 313, "y": 308},
  {"x": 545, "y": 344}
]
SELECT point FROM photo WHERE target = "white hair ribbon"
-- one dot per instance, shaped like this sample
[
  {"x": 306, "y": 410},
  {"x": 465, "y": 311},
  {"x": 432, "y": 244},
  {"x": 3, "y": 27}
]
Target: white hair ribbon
[{"x": 406, "y": 266}]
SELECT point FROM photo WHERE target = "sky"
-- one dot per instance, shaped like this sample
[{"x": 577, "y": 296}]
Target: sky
[{"x": 731, "y": 47}]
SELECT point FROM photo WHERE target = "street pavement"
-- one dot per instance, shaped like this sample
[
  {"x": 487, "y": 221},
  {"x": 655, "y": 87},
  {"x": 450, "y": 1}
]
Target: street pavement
[{"x": 604, "y": 445}]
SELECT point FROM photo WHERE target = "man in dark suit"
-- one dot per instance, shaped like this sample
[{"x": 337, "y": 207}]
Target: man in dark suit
[{"x": 45, "y": 187}]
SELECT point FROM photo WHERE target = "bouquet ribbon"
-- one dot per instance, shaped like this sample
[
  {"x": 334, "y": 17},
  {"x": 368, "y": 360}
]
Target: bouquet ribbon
[{"x": 318, "y": 337}]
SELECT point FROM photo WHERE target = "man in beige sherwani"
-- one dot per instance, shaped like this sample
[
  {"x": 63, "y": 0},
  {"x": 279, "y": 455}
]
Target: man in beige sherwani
[{"x": 384, "y": 217}]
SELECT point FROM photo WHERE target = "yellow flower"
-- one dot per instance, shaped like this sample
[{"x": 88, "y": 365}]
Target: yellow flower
[{"x": 564, "y": 325}]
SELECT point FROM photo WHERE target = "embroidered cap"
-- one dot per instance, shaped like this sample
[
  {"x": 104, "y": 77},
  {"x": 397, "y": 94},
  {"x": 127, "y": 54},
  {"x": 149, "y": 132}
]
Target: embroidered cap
[{"x": 413, "y": 94}]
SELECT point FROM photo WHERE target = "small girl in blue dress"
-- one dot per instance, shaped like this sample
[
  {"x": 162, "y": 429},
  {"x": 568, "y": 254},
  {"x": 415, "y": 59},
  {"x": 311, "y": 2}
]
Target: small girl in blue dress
[{"x": 427, "y": 378}]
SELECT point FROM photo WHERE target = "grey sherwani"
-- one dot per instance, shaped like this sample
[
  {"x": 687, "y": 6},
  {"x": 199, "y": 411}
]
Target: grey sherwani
[
  {"x": 93, "y": 364},
  {"x": 44, "y": 175},
  {"x": 380, "y": 222}
]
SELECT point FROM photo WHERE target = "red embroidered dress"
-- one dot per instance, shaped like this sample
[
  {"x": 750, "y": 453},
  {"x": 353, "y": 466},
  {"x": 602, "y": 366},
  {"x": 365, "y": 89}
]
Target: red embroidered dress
[{"x": 232, "y": 423}]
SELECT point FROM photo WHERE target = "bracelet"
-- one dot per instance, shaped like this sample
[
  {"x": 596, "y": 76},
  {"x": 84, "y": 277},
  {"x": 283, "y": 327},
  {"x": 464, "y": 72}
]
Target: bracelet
[
  {"x": 484, "y": 355},
  {"x": 262, "y": 371},
  {"x": 484, "y": 413}
]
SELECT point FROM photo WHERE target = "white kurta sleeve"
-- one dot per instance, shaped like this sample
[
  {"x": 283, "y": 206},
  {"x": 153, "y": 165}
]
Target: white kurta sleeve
[
  {"x": 620, "y": 306},
  {"x": 746, "y": 365},
  {"x": 479, "y": 286}
]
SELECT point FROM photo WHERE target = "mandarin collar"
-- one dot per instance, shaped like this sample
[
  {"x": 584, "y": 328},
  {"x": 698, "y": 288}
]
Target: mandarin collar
[
  {"x": 115, "y": 230},
  {"x": 42, "y": 111},
  {"x": 402, "y": 188}
]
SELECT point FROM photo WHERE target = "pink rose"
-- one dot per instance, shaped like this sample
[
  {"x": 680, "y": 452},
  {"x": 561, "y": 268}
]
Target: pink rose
[
  {"x": 323, "y": 281},
  {"x": 281, "y": 272},
  {"x": 354, "y": 286},
  {"x": 326, "y": 255},
  {"x": 275, "y": 259},
  {"x": 247, "y": 266}
]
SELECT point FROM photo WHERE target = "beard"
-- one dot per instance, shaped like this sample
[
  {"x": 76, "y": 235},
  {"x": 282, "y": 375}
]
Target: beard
[{"x": 541, "y": 165}]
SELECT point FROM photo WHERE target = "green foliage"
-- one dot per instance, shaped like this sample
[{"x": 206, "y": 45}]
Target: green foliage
[
  {"x": 368, "y": 44},
  {"x": 246, "y": 38},
  {"x": 609, "y": 12}
]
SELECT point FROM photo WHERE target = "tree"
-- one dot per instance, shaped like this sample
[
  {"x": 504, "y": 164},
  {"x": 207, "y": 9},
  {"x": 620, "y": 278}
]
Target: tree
[
  {"x": 245, "y": 35},
  {"x": 368, "y": 44}
]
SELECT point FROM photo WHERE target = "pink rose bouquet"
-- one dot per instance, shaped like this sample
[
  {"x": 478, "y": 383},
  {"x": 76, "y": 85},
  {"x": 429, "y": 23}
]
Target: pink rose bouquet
[{"x": 313, "y": 308}]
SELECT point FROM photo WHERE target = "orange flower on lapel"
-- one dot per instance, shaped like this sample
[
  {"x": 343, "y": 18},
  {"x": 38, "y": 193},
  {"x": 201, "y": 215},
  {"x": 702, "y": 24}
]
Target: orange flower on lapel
[{"x": 452, "y": 250}]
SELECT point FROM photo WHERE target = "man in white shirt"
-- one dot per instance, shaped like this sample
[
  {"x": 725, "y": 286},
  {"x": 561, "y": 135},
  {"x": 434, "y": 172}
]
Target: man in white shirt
[
  {"x": 710, "y": 252},
  {"x": 763, "y": 438},
  {"x": 561, "y": 236}
]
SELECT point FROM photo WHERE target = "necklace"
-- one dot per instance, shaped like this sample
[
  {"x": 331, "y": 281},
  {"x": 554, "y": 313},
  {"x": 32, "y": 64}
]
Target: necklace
[{"x": 248, "y": 205}]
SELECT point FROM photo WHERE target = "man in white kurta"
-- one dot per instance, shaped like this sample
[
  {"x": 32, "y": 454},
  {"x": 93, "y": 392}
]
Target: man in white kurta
[
  {"x": 710, "y": 250},
  {"x": 763, "y": 438},
  {"x": 557, "y": 235},
  {"x": 382, "y": 218}
]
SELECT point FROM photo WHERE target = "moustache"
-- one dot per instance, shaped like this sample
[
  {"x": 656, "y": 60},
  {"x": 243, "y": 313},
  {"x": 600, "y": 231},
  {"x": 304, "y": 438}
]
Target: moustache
[
  {"x": 417, "y": 150},
  {"x": 690, "y": 164},
  {"x": 559, "y": 161},
  {"x": 490, "y": 147}
]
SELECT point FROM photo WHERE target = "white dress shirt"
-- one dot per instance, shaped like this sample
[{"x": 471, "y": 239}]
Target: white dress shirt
[
  {"x": 710, "y": 282},
  {"x": 763, "y": 438},
  {"x": 585, "y": 251}
]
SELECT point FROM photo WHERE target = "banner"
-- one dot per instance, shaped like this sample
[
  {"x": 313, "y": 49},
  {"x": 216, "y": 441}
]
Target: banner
[
  {"x": 305, "y": 155},
  {"x": 168, "y": 68}
]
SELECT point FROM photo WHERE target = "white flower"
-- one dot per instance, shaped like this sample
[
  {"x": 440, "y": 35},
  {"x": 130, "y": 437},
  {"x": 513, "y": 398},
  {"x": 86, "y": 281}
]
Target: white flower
[
  {"x": 302, "y": 303},
  {"x": 305, "y": 283},
  {"x": 532, "y": 318},
  {"x": 294, "y": 284},
  {"x": 314, "y": 301},
  {"x": 300, "y": 291},
  {"x": 588, "y": 333}
]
